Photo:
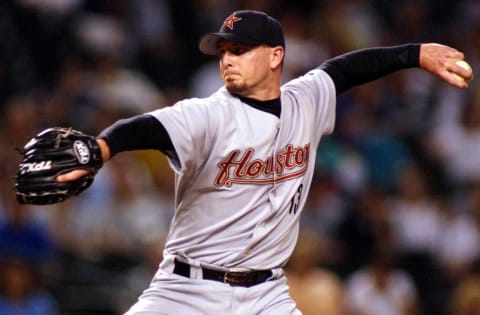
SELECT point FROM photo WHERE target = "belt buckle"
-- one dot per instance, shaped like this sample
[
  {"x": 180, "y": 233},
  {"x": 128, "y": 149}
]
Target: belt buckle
[
  {"x": 225, "y": 277},
  {"x": 231, "y": 277}
]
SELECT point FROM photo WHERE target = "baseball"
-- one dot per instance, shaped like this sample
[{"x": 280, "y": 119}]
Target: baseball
[{"x": 466, "y": 66}]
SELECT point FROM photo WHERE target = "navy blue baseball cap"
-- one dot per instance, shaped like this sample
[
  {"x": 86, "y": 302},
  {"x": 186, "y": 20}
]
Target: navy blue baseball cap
[{"x": 245, "y": 27}]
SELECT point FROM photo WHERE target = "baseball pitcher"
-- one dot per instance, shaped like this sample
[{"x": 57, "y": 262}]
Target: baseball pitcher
[{"x": 243, "y": 158}]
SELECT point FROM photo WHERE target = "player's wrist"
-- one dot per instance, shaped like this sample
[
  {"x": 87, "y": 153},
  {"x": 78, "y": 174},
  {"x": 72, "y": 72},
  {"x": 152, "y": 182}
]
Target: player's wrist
[{"x": 104, "y": 149}]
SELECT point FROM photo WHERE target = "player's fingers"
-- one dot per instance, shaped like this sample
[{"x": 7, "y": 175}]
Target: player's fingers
[
  {"x": 71, "y": 176},
  {"x": 442, "y": 61},
  {"x": 461, "y": 68},
  {"x": 456, "y": 55},
  {"x": 435, "y": 56},
  {"x": 452, "y": 79}
]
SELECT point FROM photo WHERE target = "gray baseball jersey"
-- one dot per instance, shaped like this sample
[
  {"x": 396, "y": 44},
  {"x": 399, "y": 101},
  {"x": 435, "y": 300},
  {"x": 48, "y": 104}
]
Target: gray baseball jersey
[{"x": 243, "y": 175}]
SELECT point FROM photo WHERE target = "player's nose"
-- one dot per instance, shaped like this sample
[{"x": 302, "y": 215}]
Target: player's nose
[{"x": 226, "y": 58}]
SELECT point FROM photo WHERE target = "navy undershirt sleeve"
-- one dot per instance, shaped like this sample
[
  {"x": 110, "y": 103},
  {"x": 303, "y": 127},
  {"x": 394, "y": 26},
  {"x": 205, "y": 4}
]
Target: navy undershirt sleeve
[
  {"x": 364, "y": 65},
  {"x": 140, "y": 132}
]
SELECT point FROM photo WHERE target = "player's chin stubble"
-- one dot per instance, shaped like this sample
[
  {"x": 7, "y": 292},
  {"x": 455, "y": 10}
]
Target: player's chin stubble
[
  {"x": 233, "y": 82},
  {"x": 235, "y": 87}
]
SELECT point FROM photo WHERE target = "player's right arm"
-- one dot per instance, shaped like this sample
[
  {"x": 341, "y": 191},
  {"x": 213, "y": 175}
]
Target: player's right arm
[{"x": 140, "y": 132}]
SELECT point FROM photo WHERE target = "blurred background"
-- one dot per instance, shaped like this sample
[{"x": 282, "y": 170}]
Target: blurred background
[{"x": 392, "y": 224}]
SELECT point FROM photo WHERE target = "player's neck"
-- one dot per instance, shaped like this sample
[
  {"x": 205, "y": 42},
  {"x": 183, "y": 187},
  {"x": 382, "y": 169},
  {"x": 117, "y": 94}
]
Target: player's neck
[
  {"x": 259, "y": 97},
  {"x": 265, "y": 93},
  {"x": 270, "y": 106},
  {"x": 265, "y": 90}
]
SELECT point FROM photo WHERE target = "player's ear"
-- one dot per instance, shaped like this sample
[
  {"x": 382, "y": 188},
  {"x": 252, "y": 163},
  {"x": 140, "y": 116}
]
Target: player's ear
[{"x": 277, "y": 57}]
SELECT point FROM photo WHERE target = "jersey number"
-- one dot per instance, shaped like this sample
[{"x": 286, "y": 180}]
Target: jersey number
[{"x": 294, "y": 203}]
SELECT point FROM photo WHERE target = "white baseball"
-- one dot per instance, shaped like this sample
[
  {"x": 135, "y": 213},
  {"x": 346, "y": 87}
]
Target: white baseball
[{"x": 466, "y": 66}]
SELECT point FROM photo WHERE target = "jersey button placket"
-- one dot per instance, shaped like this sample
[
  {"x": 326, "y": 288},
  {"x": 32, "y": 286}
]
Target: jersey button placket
[{"x": 274, "y": 152}]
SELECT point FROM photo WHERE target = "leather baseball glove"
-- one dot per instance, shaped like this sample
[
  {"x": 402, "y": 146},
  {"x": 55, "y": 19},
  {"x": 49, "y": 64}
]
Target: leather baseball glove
[{"x": 52, "y": 152}]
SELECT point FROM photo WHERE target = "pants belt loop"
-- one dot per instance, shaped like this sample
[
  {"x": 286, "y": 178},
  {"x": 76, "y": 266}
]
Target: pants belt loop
[{"x": 196, "y": 272}]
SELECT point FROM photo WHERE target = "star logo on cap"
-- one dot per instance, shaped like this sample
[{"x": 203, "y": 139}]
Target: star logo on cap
[{"x": 229, "y": 21}]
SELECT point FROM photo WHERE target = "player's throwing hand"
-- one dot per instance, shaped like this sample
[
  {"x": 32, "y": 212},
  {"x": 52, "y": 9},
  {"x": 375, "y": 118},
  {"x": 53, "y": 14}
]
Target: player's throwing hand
[{"x": 442, "y": 61}]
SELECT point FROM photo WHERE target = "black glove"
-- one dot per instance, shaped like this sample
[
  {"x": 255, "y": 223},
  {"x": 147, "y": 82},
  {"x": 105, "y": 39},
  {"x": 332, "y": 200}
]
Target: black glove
[{"x": 52, "y": 152}]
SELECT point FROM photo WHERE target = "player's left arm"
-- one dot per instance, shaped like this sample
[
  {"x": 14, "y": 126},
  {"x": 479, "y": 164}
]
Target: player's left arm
[{"x": 365, "y": 65}]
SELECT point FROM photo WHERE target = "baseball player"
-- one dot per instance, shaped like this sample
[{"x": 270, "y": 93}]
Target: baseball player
[{"x": 244, "y": 160}]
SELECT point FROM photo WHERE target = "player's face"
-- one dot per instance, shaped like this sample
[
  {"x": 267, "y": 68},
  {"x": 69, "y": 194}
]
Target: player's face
[{"x": 245, "y": 70}]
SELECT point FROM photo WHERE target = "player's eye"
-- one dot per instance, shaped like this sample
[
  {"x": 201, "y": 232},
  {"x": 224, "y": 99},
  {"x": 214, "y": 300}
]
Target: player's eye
[
  {"x": 220, "y": 52},
  {"x": 239, "y": 50},
  {"x": 236, "y": 50}
]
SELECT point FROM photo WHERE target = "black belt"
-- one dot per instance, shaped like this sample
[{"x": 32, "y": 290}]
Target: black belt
[{"x": 234, "y": 278}]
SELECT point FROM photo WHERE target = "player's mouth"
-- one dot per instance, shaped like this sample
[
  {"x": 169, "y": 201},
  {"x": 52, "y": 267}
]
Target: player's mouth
[{"x": 229, "y": 75}]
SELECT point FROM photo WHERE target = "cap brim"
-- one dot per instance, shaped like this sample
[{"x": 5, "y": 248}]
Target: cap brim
[{"x": 209, "y": 43}]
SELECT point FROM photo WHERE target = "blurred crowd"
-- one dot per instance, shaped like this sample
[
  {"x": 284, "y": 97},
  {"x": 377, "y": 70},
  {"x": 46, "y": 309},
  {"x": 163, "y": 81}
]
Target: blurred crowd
[{"x": 392, "y": 224}]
